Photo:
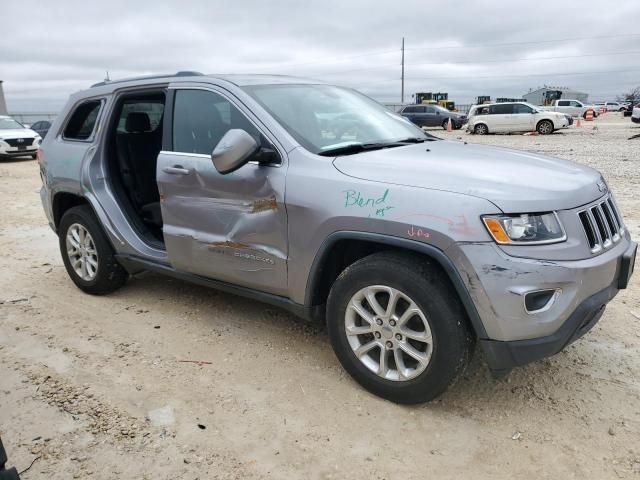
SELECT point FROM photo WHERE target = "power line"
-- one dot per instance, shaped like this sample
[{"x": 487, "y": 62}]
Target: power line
[
  {"x": 466, "y": 62},
  {"x": 460, "y": 77},
  {"x": 572, "y": 39},
  {"x": 459, "y": 47}
]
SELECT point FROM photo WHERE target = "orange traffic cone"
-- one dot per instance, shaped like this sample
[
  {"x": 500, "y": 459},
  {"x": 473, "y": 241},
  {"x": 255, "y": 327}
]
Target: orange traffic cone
[
  {"x": 449, "y": 125},
  {"x": 578, "y": 123},
  {"x": 589, "y": 115}
]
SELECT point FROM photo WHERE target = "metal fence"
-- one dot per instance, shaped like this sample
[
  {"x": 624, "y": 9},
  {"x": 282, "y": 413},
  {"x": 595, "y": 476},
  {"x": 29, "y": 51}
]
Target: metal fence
[{"x": 31, "y": 118}]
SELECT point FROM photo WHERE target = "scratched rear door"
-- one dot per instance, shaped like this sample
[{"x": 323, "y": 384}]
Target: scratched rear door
[{"x": 229, "y": 227}]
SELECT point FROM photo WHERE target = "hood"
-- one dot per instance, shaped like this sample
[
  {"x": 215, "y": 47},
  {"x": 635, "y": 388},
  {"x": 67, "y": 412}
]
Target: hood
[
  {"x": 515, "y": 181},
  {"x": 18, "y": 133}
]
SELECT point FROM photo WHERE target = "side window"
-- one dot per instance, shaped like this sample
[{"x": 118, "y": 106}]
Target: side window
[
  {"x": 563, "y": 103},
  {"x": 201, "y": 118},
  {"x": 501, "y": 109},
  {"x": 520, "y": 108},
  {"x": 83, "y": 121},
  {"x": 430, "y": 109},
  {"x": 410, "y": 110},
  {"x": 151, "y": 109}
]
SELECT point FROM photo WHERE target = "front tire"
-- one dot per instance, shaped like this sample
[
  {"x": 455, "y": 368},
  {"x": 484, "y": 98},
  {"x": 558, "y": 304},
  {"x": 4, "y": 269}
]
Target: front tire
[
  {"x": 480, "y": 129},
  {"x": 397, "y": 328},
  {"x": 87, "y": 253},
  {"x": 545, "y": 127}
]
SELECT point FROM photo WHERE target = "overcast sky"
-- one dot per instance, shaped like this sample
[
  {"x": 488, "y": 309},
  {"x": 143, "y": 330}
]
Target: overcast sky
[{"x": 464, "y": 47}]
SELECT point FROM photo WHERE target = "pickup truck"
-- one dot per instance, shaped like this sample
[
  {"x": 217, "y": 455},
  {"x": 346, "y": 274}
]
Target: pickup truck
[{"x": 575, "y": 108}]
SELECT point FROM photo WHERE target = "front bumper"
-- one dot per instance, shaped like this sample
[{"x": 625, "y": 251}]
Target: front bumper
[
  {"x": 14, "y": 152},
  {"x": 514, "y": 336}
]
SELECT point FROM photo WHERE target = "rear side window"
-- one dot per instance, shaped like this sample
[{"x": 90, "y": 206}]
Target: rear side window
[
  {"x": 201, "y": 118},
  {"x": 501, "y": 109},
  {"x": 83, "y": 121},
  {"x": 563, "y": 103},
  {"x": 411, "y": 110}
]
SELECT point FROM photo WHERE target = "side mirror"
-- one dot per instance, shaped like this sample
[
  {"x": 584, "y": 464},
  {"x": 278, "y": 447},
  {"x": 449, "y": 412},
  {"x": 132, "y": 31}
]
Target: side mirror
[{"x": 233, "y": 150}]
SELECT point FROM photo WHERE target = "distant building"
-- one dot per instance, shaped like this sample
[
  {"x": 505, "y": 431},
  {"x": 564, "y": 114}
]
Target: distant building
[
  {"x": 3, "y": 103},
  {"x": 537, "y": 97}
]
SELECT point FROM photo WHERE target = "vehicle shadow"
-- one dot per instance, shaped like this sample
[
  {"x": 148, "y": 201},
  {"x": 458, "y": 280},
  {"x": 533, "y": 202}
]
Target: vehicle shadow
[
  {"x": 477, "y": 391},
  {"x": 16, "y": 159}
]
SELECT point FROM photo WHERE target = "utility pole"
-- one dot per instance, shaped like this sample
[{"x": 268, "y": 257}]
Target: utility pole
[{"x": 402, "y": 82}]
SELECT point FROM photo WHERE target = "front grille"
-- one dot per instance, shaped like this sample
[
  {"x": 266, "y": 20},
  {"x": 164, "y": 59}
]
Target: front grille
[
  {"x": 19, "y": 142},
  {"x": 602, "y": 225}
]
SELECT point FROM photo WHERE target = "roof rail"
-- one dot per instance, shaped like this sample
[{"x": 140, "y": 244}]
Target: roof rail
[{"x": 182, "y": 73}]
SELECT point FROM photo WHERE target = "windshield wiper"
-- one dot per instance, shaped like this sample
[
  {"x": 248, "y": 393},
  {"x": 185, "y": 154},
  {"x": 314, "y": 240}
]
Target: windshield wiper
[{"x": 362, "y": 147}]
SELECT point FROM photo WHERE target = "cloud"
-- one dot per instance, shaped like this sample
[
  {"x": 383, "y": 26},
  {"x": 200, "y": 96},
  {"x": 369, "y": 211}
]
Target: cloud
[{"x": 467, "y": 48}]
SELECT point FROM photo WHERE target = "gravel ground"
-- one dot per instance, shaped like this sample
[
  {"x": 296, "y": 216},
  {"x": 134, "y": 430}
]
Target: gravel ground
[{"x": 97, "y": 387}]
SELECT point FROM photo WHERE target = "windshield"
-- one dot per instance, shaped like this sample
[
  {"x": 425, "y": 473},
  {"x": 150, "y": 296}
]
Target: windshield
[
  {"x": 9, "y": 124},
  {"x": 323, "y": 117}
]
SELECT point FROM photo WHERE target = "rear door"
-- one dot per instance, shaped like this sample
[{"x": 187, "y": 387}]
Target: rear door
[
  {"x": 500, "y": 118},
  {"x": 432, "y": 116},
  {"x": 229, "y": 227}
]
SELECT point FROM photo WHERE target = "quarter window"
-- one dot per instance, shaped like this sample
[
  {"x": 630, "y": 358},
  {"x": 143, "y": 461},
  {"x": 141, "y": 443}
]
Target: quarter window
[
  {"x": 201, "y": 118},
  {"x": 83, "y": 121}
]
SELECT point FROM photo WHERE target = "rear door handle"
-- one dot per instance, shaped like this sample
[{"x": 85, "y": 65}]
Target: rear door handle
[{"x": 176, "y": 170}]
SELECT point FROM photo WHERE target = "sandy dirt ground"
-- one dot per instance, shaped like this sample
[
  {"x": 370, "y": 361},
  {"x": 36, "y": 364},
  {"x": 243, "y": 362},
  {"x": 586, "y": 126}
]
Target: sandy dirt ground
[{"x": 97, "y": 387}]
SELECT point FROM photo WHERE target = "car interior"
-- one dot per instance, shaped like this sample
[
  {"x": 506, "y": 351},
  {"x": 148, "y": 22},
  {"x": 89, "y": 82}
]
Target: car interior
[{"x": 133, "y": 145}]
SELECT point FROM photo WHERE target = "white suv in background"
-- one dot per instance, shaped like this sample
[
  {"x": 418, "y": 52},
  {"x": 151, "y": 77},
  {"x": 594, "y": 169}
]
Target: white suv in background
[
  {"x": 16, "y": 140},
  {"x": 635, "y": 114},
  {"x": 514, "y": 117}
]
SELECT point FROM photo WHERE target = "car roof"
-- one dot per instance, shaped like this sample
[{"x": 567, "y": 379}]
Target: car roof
[{"x": 237, "y": 79}]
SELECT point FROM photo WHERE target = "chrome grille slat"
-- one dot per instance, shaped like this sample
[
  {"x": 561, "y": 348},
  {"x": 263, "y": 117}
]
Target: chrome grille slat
[{"x": 601, "y": 224}]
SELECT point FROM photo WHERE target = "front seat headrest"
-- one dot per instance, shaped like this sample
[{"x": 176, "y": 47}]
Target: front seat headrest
[{"x": 137, "y": 122}]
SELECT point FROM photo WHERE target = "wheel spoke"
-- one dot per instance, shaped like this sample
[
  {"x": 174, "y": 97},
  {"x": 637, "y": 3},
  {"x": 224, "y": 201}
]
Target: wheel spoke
[
  {"x": 92, "y": 261},
  {"x": 383, "y": 368},
  {"x": 363, "y": 330},
  {"x": 374, "y": 304},
  {"x": 424, "y": 337},
  {"x": 361, "y": 311},
  {"x": 394, "y": 295},
  {"x": 365, "y": 348},
  {"x": 408, "y": 313},
  {"x": 412, "y": 352},
  {"x": 402, "y": 369}
]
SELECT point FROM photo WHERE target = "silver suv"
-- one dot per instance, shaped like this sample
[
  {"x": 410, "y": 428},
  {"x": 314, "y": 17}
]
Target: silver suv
[{"x": 316, "y": 198}]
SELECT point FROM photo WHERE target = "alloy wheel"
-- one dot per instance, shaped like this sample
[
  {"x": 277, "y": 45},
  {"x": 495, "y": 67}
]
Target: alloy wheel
[
  {"x": 388, "y": 333},
  {"x": 82, "y": 252}
]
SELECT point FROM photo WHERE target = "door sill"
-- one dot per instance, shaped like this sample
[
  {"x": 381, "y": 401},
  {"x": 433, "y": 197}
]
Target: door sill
[{"x": 135, "y": 264}]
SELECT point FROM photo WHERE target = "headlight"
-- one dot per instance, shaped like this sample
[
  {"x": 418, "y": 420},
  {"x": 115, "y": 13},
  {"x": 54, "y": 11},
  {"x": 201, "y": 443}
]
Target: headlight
[{"x": 525, "y": 229}]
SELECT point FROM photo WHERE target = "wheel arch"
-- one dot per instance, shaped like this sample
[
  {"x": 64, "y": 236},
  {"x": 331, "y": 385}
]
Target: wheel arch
[
  {"x": 63, "y": 201},
  {"x": 341, "y": 249}
]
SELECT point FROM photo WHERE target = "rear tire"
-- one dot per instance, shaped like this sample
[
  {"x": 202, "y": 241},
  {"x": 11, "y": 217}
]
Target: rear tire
[
  {"x": 87, "y": 253},
  {"x": 402, "y": 366},
  {"x": 545, "y": 127},
  {"x": 480, "y": 129}
]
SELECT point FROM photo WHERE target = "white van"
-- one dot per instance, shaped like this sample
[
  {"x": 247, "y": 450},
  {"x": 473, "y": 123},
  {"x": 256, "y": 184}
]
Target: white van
[{"x": 514, "y": 117}]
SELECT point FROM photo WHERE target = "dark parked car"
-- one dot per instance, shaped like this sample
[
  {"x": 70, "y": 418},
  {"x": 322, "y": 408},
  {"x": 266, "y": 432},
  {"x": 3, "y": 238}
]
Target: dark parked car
[
  {"x": 41, "y": 127},
  {"x": 433, "y": 116},
  {"x": 628, "y": 110}
]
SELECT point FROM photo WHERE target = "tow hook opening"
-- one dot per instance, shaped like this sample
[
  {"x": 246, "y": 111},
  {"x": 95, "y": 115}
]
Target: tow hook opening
[{"x": 540, "y": 300}]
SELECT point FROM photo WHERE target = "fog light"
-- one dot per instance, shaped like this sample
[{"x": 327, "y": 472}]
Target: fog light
[{"x": 540, "y": 300}]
